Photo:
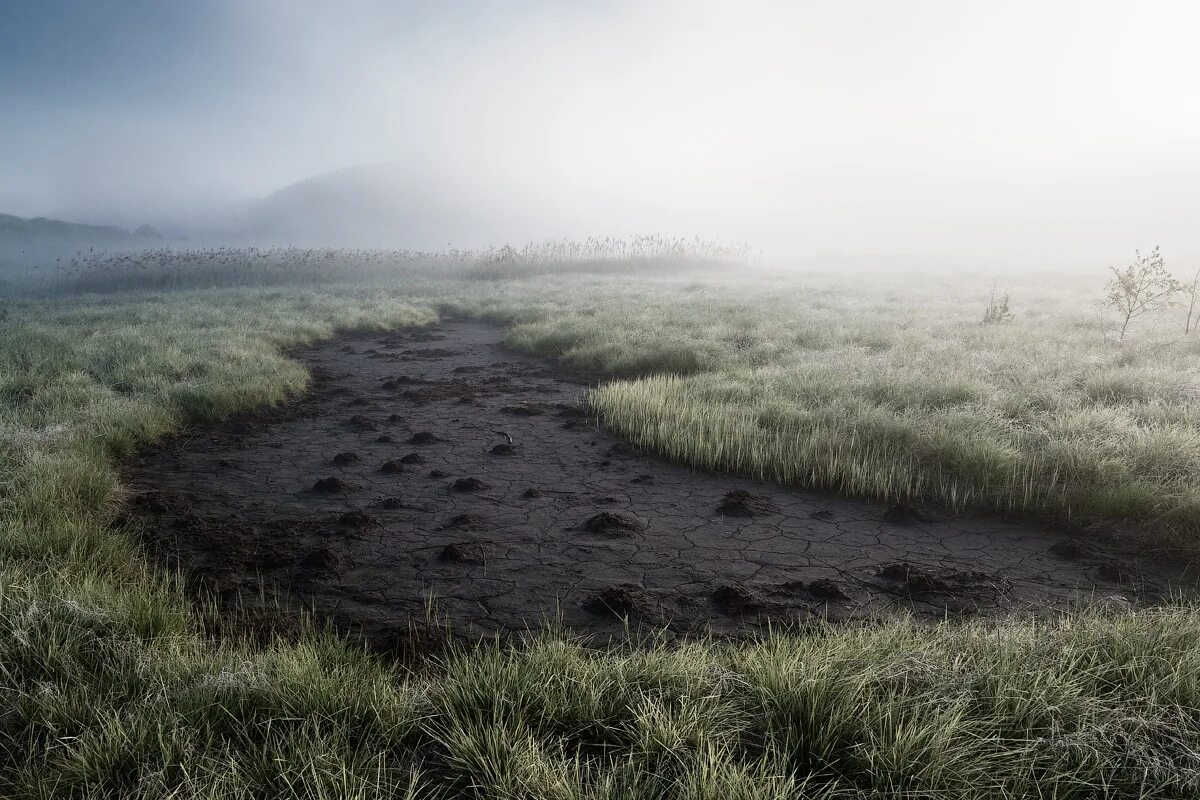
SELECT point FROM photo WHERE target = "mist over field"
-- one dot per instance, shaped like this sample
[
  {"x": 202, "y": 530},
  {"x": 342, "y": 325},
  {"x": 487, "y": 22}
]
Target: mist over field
[
  {"x": 1020, "y": 133},
  {"x": 605, "y": 400}
]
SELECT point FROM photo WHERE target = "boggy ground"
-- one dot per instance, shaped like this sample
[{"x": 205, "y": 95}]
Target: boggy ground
[{"x": 434, "y": 462}]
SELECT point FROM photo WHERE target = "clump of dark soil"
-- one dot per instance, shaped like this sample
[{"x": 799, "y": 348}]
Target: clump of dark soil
[
  {"x": 459, "y": 552},
  {"x": 503, "y": 449},
  {"x": 413, "y": 458},
  {"x": 644, "y": 480},
  {"x": 1069, "y": 548},
  {"x": 826, "y": 589},
  {"x": 438, "y": 473},
  {"x": 822, "y": 514},
  {"x": 524, "y": 410},
  {"x": 469, "y": 485},
  {"x": 423, "y": 437},
  {"x": 359, "y": 422},
  {"x": 468, "y": 521},
  {"x": 905, "y": 515},
  {"x": 740, "y": 503},
  {"x": 384, "y": 438},
  {"x": 330, "y": 486},
  {"x": 345, "y": 459},
  {"x": 613, "y": 523},
  {"x": 391, "y": 467},
  {"x": 916, "y": 579},
  {"x": 624, "y": 600},
  {"x": 390, "y": 503},
  {"x": 736, "y": 598},
  {"x": 322, "y": 562},
  {"x": 532, "y": 493}
]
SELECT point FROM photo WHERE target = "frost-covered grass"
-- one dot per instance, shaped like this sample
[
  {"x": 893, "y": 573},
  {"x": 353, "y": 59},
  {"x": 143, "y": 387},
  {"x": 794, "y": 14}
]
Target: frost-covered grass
[{"x": 113, "y": 685}]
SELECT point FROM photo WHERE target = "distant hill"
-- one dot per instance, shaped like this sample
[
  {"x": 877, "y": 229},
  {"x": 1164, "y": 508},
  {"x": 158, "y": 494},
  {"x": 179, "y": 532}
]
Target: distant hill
[
  {"x": 41, "y": 232},
  {"x": 363, "y": 206},
  {"x": 27, "y": 245}
]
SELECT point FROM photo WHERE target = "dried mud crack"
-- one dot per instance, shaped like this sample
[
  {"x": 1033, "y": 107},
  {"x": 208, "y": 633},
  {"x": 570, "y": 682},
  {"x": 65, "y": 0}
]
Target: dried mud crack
[{"x": 435, "y": 463}]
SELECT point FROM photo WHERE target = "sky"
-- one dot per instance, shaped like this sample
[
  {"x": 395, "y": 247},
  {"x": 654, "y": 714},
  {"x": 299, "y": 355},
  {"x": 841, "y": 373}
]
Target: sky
[{"x": 1021, "y": 131}]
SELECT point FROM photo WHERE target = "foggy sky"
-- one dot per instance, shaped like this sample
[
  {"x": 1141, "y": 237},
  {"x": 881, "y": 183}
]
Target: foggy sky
[{"x": 1018, "y": 130}]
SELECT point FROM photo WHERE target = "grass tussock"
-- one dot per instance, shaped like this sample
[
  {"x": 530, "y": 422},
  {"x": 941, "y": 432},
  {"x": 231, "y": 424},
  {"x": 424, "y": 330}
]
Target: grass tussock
[{"x": 113, "y": 685}]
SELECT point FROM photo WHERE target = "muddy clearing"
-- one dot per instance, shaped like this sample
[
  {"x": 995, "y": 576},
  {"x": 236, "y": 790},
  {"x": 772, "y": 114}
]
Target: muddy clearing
[{"x": 435, "y": 463}]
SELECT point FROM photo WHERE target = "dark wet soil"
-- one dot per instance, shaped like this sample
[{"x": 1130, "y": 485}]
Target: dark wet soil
[{"x": 434, "y": 463}]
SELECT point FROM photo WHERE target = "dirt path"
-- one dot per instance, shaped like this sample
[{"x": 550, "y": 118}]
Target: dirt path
[{"x": 434, "y": 462}]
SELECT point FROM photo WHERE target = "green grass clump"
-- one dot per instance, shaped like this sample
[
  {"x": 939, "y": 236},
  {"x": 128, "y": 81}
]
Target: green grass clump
[{"x": 112, "y": 684}]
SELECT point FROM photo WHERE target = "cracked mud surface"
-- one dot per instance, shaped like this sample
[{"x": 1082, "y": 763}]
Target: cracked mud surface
[{"x": 435, "y": 462}]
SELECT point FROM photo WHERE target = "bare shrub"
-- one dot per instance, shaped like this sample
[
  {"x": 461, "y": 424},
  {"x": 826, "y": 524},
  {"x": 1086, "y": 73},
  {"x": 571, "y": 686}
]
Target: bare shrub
[{"x": 1143, "y": 286}]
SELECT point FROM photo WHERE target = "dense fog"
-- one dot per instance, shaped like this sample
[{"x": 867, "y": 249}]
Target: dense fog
[{"x": 1028, "y": 132}]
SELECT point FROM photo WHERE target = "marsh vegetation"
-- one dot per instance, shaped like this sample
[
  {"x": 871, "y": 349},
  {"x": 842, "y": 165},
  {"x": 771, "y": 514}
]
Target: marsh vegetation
[{"x": 887, "y": 387}]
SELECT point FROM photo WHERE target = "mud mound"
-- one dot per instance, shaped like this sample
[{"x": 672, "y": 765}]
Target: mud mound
[
  {"x": 469, "y": 485},
  {"x": 389, "y": 503},
  {"x": 413, "y": 458},
  {"x": 613, "y": 523},
  {"x": 917, "y": 579},
  {"x": 468, "y": 521},
  {"x": 826, "y": 589},
  {"x": 1070, "y": 549},
  {"x": 391, "y": 467},
  {"x": 740, "y": 503},
  {"x": 905, "y": 515},
  {"x": 330, "y": 486},
  {"x": 624, "y": 600},
  {"x": 503, "y": 449},
  {"x": 323, "y": 562},
  {"x": 459, "y": 552},
  {"x": 735, "y": 598},
  {"x": 345, "y": 459},
  {"x": 423, "y": 437},
  {"x": 359, "y": 422}
]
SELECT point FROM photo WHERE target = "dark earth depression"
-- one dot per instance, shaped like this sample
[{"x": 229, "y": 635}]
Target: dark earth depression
[{"x": 434, "y": 463}]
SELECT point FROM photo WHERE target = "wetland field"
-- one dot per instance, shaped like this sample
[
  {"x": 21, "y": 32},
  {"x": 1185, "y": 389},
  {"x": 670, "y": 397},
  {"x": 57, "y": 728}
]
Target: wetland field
[{"x": 599, "y": 520}]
